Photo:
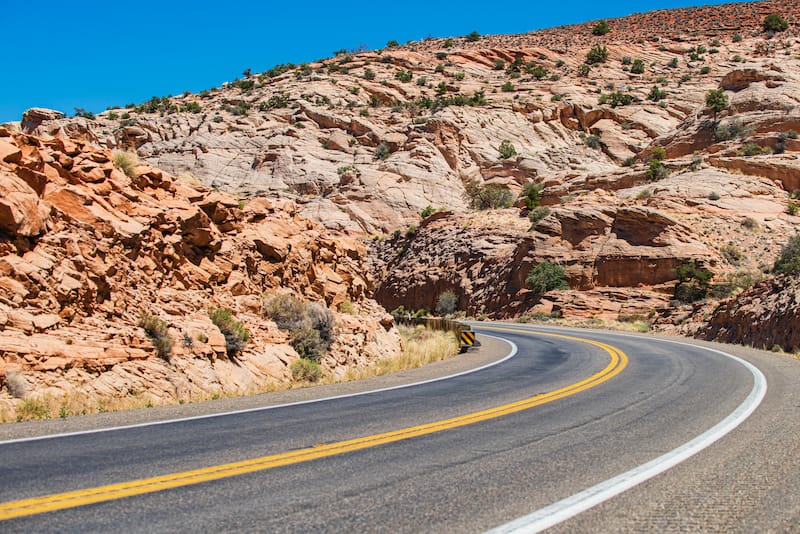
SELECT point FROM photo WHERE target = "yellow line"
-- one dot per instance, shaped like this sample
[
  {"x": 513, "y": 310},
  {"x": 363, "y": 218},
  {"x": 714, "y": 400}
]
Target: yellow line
[{"x": 70, "y": 499}]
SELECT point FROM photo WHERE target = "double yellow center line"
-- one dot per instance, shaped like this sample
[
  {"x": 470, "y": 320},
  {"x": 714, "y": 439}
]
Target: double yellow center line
[{"x": 71, "y": 499}]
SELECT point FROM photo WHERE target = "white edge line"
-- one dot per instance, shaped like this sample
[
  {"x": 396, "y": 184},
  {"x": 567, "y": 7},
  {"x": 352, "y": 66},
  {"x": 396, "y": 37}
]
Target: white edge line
[
  {"x": 580, "y": 502},
  {"x": 511, "y": 354}
]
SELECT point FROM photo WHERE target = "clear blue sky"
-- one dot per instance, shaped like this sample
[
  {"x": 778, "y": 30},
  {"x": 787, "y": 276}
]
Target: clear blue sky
[{"x": 92, "y": 55}]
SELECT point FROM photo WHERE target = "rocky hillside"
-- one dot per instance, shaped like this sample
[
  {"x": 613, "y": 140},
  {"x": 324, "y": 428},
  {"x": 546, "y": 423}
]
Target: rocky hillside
[
  {"x": 639, "y": 174},
  {"x": 91, "y": 243}
]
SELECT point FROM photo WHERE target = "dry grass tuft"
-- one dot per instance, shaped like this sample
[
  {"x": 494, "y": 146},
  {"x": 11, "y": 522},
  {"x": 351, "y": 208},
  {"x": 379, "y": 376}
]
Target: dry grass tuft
[
  {"x": 126, "y": 162},
  {"x": 421, "y": 346}
]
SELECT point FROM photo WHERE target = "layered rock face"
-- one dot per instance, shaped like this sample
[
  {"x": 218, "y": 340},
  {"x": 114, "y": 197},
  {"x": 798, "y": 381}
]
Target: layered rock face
[
  {"x": 365, "y": 141},
  {"x": 766, "y": 317},
  {"x": 86, "y": 249}
]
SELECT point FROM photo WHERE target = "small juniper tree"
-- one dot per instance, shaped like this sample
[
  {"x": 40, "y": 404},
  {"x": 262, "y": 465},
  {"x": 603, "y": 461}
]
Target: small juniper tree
[{"x": 716, "y": 101}]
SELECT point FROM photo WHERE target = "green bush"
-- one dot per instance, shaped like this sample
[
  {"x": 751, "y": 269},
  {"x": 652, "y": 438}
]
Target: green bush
[
  {"x": 507, "y": 87},
  {"x": 532, "y": 194},
  {"x": 427, "y": 212},
  {"x": 789, "y": 260},
  {"x": 637, "y": 67},
  {"x": 158, "y": 331},
  {"x": 583, "y": 70},
  {"x": 506, "y": 149},
  {"x": 598, "y": 54},
  {"x": 404, "y": 75},
  {"x": 305, "y": 371},
  {"x": 308, "y": 344},
  {"x": 601, "y": 28},
  {"x": 299, "y": 318},
  {"x": 236, "y": 335},
  {"x": 592, "y": 141},
  {"x": 487, "y": 196},
  {"x": 694, "y": 282},
  {"x": 369, "y": 74},
  {"x": 545, "y": 277},
  {"x": 447, "y": 303},
  {"x": 657, "y": 94},
  {"x": 792, "y": 207},
  {"x": 537, "y": 214},
  {"x": 656, "y": 171},
  {"x": 775, "y": 23},
  {"x": 382, "y": 151},
  {"x": 474, "y": 36}
]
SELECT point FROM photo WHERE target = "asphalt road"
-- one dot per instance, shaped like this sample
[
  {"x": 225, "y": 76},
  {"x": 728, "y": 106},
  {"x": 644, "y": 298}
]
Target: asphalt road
[{"x": 465, "y": 479}]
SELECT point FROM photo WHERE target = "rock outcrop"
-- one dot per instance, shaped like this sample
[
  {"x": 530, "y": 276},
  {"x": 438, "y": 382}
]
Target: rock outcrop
[
  {"x": 766, "y": 317},
  {"x": 86, "y": 249}
]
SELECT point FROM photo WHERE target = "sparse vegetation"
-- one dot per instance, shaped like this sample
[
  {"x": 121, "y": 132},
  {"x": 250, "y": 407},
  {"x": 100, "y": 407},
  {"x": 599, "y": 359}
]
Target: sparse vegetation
[
  {"x": 789, "y": 260},
  {"x": 775, "y": 23},
  {"x": 126, "y": 162},
  {"x": 158, "y": 331},
  {"x": 536, "y": 214},
  {"x": 601, "y": 28},
  {"x": 546, "y": 276},
  {"x": 447, "y": 303},
  {"x": 694, "y": 282},
  {"x": 487, "y": 196},
  {"x": 598, "y": 54},
  {"x": 506, "y": 149},
  {"x": 637, "y": 67},
  {"x": 236, "y": 335},
  {"x": 310, "y": 325},
  {"x": 304, "y": 370}
]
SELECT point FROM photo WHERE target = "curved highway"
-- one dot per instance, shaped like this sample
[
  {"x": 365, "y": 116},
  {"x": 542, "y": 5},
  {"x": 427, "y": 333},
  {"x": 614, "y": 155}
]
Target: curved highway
[{"x": 466, "y": 454}]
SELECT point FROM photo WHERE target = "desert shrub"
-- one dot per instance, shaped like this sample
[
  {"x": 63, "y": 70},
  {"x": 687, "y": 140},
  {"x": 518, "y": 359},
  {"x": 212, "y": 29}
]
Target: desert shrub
[
  {"x": 126, "y": 162},
  {"x": 158, "y": 331},
  {"x": 404, "y": 75},
  {"x": 308, "y": 344},
  {"x": 789, "y": 260},
  {"x": 545, "y": 277},
  {"x": 304, "y": 370},
  {"x": 705, "y": 70},
  {"x": 447, "y": 303},
  {"x": 506, "y": 149},
  {"x": 347, "y": 307},
  {"x": 473, "y": 36},
  {"x": 792, "y": 207},
  {"x": 601, "y": 28},
  {"x": 750, "y": 149},
  {"x": 236, "y": 335},
  {"x": 427, "y": 212},
  {"x": 287, "y": 311},
  {"x": 369, "y": 74},
  {"x": 507, "y": 87},
  {"x": 657, "y": 94},
  {"x": 737, "y": 38},
  {"x": 300, "y": 319},
  {"x": 750, "y": 223},
  {"x": 532, "y": 194},
  {"x": 656, "y": 171},
  {"x": 694, "y": 282},
  {"x": 729, "y": 130},
  {"x": 487, "y": 196},
  {"x": 598, "y": 54},
  {"x": 637, "y": 67},
  {"x": 735, "y": 282},
  {"x": 382, "y": 151},
  {"x": 583, "y": 70},
  {"x": 537, "y": 214},
  {"x": 732, "y": 254},
  {"x": 592, "y": 141},
  {"x": 775, "y": 23},
  {"x": 616, "y": 99}
]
